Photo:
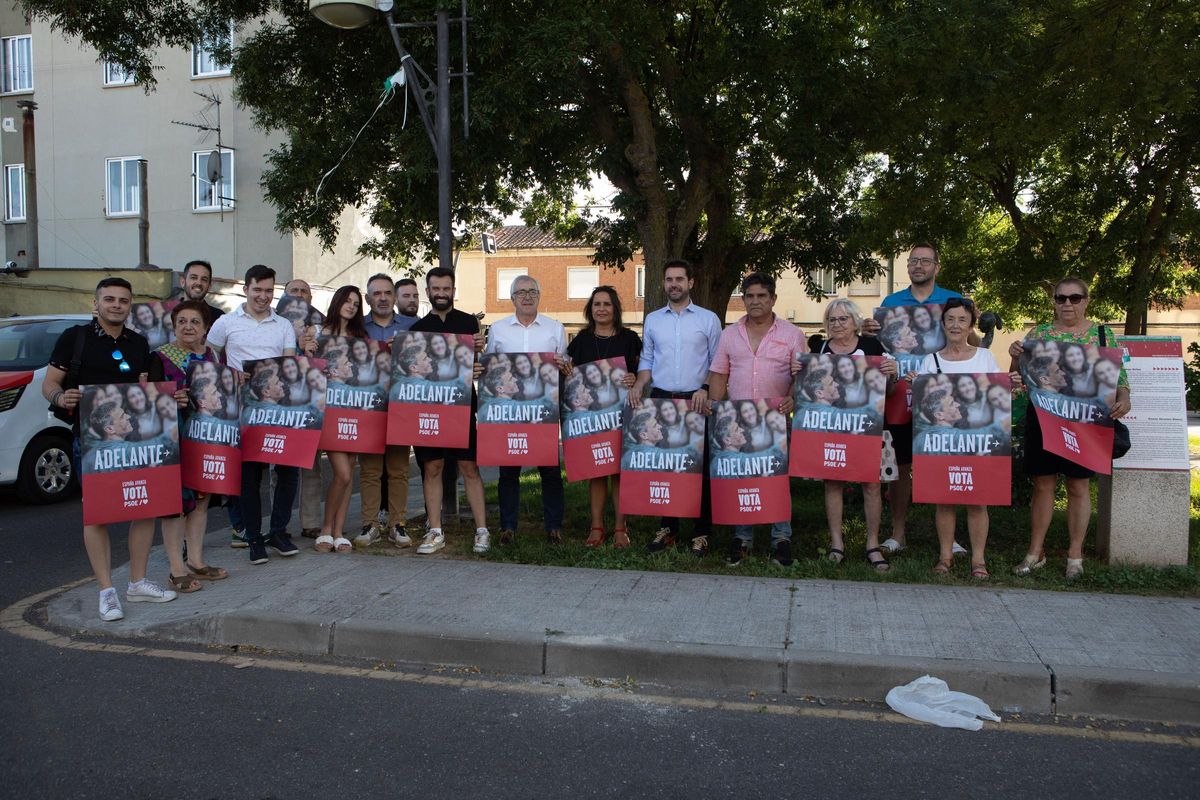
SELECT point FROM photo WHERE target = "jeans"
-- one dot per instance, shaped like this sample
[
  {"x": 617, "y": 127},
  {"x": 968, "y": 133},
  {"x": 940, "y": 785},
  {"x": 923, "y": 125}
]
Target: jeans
[
  {"x": 286, "y": 481},
  {"x": 780, "y": 532},
  {"x": 235, "y": 514},
  {"x": 510, "y": 497}
]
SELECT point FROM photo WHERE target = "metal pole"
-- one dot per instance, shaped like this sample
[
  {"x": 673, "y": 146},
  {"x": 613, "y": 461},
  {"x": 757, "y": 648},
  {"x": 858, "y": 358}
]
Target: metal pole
[
  {"x": 445, "y": 241},
  {"x": 143, "y": 213},
  {"x": 891, "y": 272},
  {"x": 29, "y": 140}
]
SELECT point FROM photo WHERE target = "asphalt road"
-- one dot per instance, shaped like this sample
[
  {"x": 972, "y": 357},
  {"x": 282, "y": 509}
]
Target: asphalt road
[{"x": 82, "y": 724}]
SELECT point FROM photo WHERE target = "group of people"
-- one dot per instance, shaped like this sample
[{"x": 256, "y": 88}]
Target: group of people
[{"x": 683, "y": 363}]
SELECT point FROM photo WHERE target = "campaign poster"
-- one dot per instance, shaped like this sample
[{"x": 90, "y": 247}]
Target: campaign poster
[
  {"x": 837, "y": 427},
  {"x": 662, "y": 459},
  {"x": 748, "y": 462},
  {"x": 302, "y": 315},
  {"x": 283, "y": 404},
  {"x": 357, "y": 375},
  {"x": 153, "y": 320},
  {"x": 1071, "y": 388},
  {"x": 962, "y": 439},
  {"x": 129, "y": 449},
  {"x": 518, "y": 410},
  {"x": 908, "y": 333},
  {"x": 210, "y": 434},
  {"x": 429, "y": 401},
  {"x": 592, "y": 399}
]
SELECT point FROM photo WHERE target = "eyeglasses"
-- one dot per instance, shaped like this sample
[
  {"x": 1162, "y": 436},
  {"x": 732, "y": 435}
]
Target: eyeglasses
[
  {"x": 525, "y": 293},
  {"x": 1073, "y": 299},
  {"x": 838, "y": 320},
  {"x": 124, "y": 365},
  {"x": 925, "y": 261}
]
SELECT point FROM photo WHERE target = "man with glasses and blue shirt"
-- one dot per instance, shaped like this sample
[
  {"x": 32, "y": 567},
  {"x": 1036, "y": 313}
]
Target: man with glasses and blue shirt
[{"x": 104, "y": 351}]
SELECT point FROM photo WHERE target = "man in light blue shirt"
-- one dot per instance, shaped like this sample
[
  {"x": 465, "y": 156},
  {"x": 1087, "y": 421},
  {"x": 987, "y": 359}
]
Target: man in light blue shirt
[{"x": 679, "y": 341}]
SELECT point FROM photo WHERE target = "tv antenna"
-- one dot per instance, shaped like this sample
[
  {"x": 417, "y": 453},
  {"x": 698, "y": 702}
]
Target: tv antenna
[{"x": 213, "y": 171}]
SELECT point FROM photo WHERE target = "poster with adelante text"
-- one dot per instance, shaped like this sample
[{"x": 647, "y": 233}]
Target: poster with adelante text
[
  {"x": 210, "y": 432},
  {"x": 592, "y": 399},
  {"x": 748, "y": 462},
  {"x": 908, "y": 334},
  {"x": 357, "y": 375},
  {"x": 662, "y": 459},
  {"x": 283, "y": 403},
  {"x": 837, "y": 424},
  {"x": 429, "y": 400},
  {"x": 518, "y": 410}
]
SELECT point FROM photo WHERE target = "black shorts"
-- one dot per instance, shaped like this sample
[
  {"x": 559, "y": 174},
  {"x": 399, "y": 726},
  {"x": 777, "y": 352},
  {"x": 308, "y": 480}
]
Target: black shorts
[
  {"x": 902, "y": 443},
  {"x": 426, "y": 454},
  {"x": 1040, "y": 462}
]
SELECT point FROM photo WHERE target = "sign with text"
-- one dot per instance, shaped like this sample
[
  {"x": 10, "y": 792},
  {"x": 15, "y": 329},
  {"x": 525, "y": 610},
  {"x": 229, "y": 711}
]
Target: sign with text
[
  {"x": 357, "y": 374},
  {"x": 283, "y": 403},
  {"x": 429, "y": 400},
  {"x": 837, "y": 427},
  {"x": 1071, "y": 388},
  {"x": 1158, "y": 420},
  {"x": 908, "y": 334},
  {"x": 662, "y": 459},
  {"x": 518, "y": 410},
  {"x": 592, "y": 400},
  {"x": 748, "y": 463},
  {"x": 210, "y": 434}
]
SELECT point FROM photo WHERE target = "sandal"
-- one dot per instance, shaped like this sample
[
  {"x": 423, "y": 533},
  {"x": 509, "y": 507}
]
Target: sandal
[
  {"x": 342, "y": 545},
  {"x": 594, "y": 539},
  {"x": 836, "y": 556},
  {"x": 208, "y": 572},
  {"x": 620, "y": 537},
  {"x": 943, "y": 566},
  {"x": 1029, "y": 564},
  {"x": 324, "y": 543},
  {"x": 1074, "y": 568},
  {"x": 185, "y": 584},
  {"x": 891, "y": 546},
  {"x": 882, "y": 564},
  {"x": 979, "y": 572}
]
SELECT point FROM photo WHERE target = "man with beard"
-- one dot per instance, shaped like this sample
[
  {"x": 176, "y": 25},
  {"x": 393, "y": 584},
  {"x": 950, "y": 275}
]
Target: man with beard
[
  {"x": 408, "y": 302},
  {"x": 196, "y": 281}
]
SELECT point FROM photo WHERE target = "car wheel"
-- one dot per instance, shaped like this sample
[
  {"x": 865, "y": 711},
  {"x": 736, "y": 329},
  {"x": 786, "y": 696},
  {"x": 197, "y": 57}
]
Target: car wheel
[{"x": 46, "y": 474}]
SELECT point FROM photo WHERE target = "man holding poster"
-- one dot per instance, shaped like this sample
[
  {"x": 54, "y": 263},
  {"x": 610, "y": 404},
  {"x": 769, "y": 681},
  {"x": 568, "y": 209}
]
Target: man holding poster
[{"x": 105, "y": 352}]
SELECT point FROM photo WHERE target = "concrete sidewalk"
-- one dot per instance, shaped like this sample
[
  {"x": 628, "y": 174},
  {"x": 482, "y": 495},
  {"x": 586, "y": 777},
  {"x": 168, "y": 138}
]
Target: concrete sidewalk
[{"x": 1036, "y": 651}]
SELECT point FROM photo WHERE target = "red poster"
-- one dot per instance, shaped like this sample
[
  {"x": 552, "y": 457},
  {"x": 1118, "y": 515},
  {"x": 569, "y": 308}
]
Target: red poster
[
  {"x": 748, "y": 463},
  {"x": 357, "y": 374},
  {"x": 429, "y": 400},
  {"x": 592, "y": 400},
  {"x": 210, "y": 434},
  {"x": 518, "y": 410},
  {"x": 837, "y": 430},
  {"x": 129, "y": 448},
  {"x": 835, "y": 456},
  {"x": 662, "y": 459},
  {"x": 962, "y": 439},
  {"x": 898, "y": 405},
  {"x": 283, "y": 403}
]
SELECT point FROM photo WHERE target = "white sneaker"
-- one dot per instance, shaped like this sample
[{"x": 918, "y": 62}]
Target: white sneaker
[
  {"x": 958, "y": 549},
  {"x": 110, "y": 606},
  {"x": 434, "y": 540},
  {"x": 399, "y": 536},
  {"x": 482, "y": 540},
  {"x": 147, "y": 591},
  {"x": 368, "y": 537}
]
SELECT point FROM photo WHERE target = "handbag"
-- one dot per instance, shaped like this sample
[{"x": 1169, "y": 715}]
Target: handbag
[
  {"x": 1121, "y": 442},
  {"x": 71, "y": 381}
]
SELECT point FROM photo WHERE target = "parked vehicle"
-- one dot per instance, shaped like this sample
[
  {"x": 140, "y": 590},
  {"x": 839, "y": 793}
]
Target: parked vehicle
[{"x": 35, "y": 446}]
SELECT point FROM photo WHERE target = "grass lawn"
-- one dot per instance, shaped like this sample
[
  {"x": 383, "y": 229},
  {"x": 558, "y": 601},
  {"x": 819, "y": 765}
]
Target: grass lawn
[{"x": 1007, "y": 544}]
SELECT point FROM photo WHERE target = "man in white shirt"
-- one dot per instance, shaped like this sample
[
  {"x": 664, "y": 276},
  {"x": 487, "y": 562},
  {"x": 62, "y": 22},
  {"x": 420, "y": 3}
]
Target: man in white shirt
[
  {"x": 254, "y": 331},
  {"x": 527, "y": 331}
]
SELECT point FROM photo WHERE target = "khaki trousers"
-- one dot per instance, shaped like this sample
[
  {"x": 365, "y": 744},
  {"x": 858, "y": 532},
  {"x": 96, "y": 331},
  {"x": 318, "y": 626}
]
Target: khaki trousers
[{"x": 370, "y": 484}]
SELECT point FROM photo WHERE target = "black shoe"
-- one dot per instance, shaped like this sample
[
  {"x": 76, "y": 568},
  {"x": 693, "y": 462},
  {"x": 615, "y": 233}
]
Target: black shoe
[
  {"x": 282, "y": 543},
  {"x": 663, "y": 539},
  {"x": 700, "y": 546},
  {"x": 737, "y": 552},
  {"x": 554, "y": 537},
  {"x": 258, "y": 552},
  {"x": 781, "y": 553}
]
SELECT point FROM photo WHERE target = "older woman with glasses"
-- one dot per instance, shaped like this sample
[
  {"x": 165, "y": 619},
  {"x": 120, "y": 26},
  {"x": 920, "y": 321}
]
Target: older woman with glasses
[
  {"x": 843, "y": 326},
  {"x": 1070, "y": 326}
]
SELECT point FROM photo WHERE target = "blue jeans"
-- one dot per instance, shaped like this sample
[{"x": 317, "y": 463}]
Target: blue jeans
[
  {"x": 780, "y": 531},
  {"x": 286, "y": 481},
  {"x": 510, "y": 497},
  {"x": 235, "y": 514}
]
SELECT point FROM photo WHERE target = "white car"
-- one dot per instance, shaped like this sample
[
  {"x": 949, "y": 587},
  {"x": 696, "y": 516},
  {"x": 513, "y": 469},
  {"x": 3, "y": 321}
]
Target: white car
[{"x": 35, "y": 446}]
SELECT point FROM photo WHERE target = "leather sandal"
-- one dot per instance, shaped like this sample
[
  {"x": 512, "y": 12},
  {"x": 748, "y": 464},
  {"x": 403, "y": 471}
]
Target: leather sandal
[
  {"x": 979, "y": 572},
  {"x": 836, "y": 556},
  {"x": 943, "y": 566},
  {"x": 185, "y": 584},
  {"x": 620, "y": 537},
  {"x": 208, "y": 572},
  {"x": 882, "y": 564},
  {"x": 595, "y": 537}
]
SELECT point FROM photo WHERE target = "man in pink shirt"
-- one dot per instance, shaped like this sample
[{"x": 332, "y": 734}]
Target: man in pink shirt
[{"x": 754, "y": 362}]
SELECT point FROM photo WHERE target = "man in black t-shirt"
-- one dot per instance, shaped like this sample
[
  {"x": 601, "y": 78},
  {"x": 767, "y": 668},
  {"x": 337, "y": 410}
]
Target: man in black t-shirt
[
  {"x": 111, "y": 354},
  {"x": 445, "y": 318}
]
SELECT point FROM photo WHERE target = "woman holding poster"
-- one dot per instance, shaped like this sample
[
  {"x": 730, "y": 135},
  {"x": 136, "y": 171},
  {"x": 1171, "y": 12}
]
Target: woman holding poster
[
  {"x": 1070, "y": 326},
  {"x": 605, "y": 337}
]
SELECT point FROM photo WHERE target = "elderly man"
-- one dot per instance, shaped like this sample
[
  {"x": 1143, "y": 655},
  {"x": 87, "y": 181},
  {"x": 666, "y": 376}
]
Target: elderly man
[
  {"x": 527, "y": 331},
  {"x": 754, "y": 362}
]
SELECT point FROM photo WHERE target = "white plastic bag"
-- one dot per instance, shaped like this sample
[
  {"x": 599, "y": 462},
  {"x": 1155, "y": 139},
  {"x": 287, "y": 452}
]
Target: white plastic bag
[{"x": 929, "y": 699}]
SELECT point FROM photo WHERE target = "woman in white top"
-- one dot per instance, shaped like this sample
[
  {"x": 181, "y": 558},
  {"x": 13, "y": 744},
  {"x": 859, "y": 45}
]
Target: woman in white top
[{"x": 958, "y": 320}]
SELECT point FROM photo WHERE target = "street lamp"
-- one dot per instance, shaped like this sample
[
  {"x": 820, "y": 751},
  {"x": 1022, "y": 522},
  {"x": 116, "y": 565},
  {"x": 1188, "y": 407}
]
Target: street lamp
[{"x": 347, "y": 14}]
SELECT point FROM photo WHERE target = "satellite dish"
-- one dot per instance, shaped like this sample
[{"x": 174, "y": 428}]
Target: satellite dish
[{"x": 213, "y": 170}]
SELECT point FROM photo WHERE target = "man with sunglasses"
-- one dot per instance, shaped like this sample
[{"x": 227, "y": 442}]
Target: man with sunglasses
[
  {"x": 923, "y": 267},
  {"x": 104, "y": 351}
]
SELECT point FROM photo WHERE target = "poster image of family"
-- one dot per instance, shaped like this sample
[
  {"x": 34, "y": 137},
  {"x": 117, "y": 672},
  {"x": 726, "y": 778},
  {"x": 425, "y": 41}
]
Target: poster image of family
[
  {"x": 592, "y": 399},
  {"x": 283, "y": 405},
  {"x": 518, "y": 410},
  {"x": 357, "y": 375},
  {"x": 962, "y": 439},
  {"x": 210, "y": 433},
  {"x": 429, "y": 400},
  {"x": 908, "y": 333},
  {"x": 129, "y": 449},
  {"x": 1072, "y": 388},
  {"x": 662, "y": 459},
  {"x": 748, "y": 462},
  {"x": 837, "y": 427}
]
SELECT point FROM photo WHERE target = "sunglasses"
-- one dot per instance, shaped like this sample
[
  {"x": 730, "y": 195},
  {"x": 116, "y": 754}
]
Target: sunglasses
[
  {"x": 955, "y": 302},
  {"x": 1073, "y": 299},
  {"x": 124, "y": 365}
]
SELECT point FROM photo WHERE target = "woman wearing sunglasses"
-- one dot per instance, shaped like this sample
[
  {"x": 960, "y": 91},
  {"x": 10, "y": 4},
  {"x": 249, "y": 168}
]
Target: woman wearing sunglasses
[{"x": 1070, "y": 326}]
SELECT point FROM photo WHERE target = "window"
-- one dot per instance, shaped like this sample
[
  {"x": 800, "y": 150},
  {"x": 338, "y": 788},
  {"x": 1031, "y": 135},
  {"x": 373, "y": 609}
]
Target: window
[
  {"x": 581, "y": 282},
  {"x": 825, "y": 280},
  {"x": 504, "y": 279},
  {"x": 204, "y": 63},
  {"x": 206, "y": 194},
  {"x": 14, "y": 193},
  {"x": 116, "y": 75},
  {"x": 640, "y": 288},
  {"x": 18, "y": 64},
  {"x": 122, "y": 195}
]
